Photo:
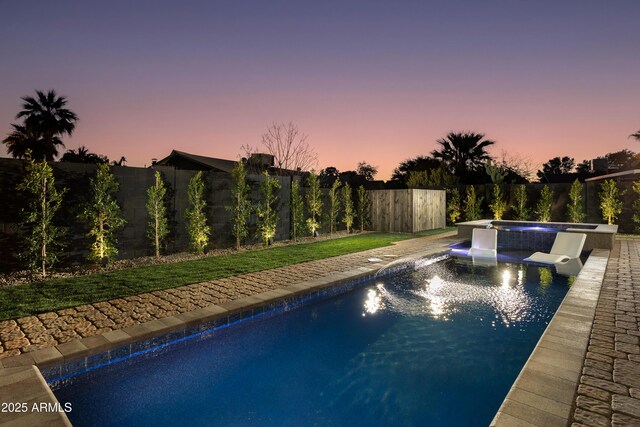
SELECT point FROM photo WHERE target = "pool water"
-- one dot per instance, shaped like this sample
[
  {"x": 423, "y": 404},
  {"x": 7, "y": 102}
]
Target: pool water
[{"x": 436, "y": 345}]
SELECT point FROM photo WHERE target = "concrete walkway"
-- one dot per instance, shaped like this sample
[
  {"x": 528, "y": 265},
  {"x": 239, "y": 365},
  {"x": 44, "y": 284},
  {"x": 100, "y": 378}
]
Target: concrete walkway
[
  {"x": 45, "y": 330},
  {"x": 609, "y": 390}
]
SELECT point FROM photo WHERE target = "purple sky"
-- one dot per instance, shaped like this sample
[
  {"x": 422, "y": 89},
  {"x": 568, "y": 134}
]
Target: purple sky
[{"x": 374, "y": 81}]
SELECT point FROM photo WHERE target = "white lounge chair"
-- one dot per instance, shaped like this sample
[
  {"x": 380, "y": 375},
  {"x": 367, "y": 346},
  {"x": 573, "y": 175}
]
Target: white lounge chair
[
  {"x": 484, "y": 243},
  {"x": 566, "y": 246},
  {"x": 569, "y": 268}
]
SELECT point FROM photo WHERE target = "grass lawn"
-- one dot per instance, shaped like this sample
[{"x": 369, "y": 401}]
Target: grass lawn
[
  {"x": 627, "y": 236},
  {"x": 51, "y": 295}
]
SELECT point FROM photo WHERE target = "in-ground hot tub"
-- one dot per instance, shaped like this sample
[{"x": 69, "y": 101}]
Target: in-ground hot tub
[{"x": 539, "y": 236}]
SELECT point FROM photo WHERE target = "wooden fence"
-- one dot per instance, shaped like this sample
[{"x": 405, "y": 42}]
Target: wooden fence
[{"x": 407, "y": 211}]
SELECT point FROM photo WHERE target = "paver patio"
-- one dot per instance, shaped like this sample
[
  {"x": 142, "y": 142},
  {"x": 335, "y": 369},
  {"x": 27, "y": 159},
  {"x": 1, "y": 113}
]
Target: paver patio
[{"x": 609, "y": 389}]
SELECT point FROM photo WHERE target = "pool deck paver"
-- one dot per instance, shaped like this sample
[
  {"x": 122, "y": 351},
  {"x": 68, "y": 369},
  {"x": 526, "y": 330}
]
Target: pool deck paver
[{"x": 608, "y": 393}]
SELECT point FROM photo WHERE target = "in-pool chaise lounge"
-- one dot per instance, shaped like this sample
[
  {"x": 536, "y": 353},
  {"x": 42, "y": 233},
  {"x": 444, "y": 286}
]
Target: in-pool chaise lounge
[
  {"x": 484, "y": 243},
  {"x": 566, "y": 246}
]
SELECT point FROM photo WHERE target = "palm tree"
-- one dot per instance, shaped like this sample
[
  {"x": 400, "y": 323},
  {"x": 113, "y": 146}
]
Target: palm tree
[
  {"x": 635, "y": 135},
  {"x": 463, "y": 152},
  {"x": 83, "y": 155},
  {"x": 46, "y": 116},
  {"x": 120, "y": 162},
  {"x": 20, "y": 141}
]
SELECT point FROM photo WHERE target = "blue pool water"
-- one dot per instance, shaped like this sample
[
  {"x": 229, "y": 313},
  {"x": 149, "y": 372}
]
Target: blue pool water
[{"x": 437, "y": 345}]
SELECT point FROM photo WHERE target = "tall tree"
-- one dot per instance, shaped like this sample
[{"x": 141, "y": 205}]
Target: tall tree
[
  {"x": 240, "y": 207},
  {"x": 197, "y": 227},
  {"x": 23, "y": 140},
  {"x": 314, "y": 203},
  {"x": 463, "y": 152},
  {"x": 454, "y": 206},
  {"x": 635, "y": 135},
  {"x": 417, "y": 164},
  {"x": 43, "y": 237},
  {"x": 158, "y": 226},
  {"x": 334, "y": 205},
  {"x": 472, "y": 204},
  {"x": 46, "y": 119},
  {"x": 347, "y": 204},
  {"x": 267, "y": 208},
  {"x": 103, "y": 216},
  {"x": 610, "y": 202},
  {"x": 556, "y": 166},
  {"x": 584, "y": 167},
  {"x": 83, "y": 155},
  {"x": 363, "y": 208},
  {"x": 289, "y": 147},
  {"x": 498, "y": 205},
  {"x": 622, "y": 159},
  {"x": 575, "y": 212},
  {"x": 120, "y": 162},
  {"x": 297, "y": 210},
  {"x": 520, "y": 208},
  {"x": 545, "y": 202},
  {"x": 367, "y": 170}
]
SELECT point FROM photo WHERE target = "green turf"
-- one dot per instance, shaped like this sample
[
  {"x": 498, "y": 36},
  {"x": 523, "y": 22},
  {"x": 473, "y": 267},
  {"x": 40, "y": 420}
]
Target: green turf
[{"x": 51, "y": 295}]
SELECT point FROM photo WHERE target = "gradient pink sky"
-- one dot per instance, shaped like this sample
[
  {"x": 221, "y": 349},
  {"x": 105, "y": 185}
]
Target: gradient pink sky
[{"x": 373, "y": 81}]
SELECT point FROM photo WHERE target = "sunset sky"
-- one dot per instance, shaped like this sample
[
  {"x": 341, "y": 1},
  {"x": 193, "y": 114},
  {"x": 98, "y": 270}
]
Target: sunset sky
[{"x": 378, "y": 80}]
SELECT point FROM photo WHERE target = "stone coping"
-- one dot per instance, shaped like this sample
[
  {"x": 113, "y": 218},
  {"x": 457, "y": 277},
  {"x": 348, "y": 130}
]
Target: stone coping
[
  {"x": 30, "y": 402},
  {"x": 544, "y": 392}
]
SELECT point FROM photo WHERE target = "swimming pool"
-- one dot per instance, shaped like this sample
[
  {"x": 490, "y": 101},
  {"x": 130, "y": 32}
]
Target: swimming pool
[{"x": 436, "y": 345}]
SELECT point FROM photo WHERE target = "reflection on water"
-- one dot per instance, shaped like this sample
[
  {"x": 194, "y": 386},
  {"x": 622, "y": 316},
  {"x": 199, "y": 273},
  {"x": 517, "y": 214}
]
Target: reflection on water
[
  {"x": 445, "y": 325},
  {"x": 506, "y": 278},
  {"x": 373, "y": 303},
  {"x": 439, "y": 292},
  {"x": 546, "y": 277}
]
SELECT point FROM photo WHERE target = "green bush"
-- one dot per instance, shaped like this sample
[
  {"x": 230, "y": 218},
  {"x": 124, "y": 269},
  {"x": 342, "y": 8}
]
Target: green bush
[
  {"x": 197, "y": 227},
  {"x": 574, "y": 208},
  {"x": 363, "y": 208},
  {"x": 454, "y": 206},
  {"x": 499, "y": 204},
  {"x": 158, "y": 226},
  {"x": 240, "y": 207},
  {"x": 267, "y": 208},
  {"x": 314, "y": 203},
  {"x": 43, "y": 239},
  {"x": 472, "y": 205},
  {"x": 297, "y": 211},
  {"x": 334, "y": 205},
  {"x": 610, "y": 202},
  {"x": 543, "y": 208},
  {"x": 103, "y": 215},
  {"x": 520, "y": 203},
  {"x": 347, "y": 203}
]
